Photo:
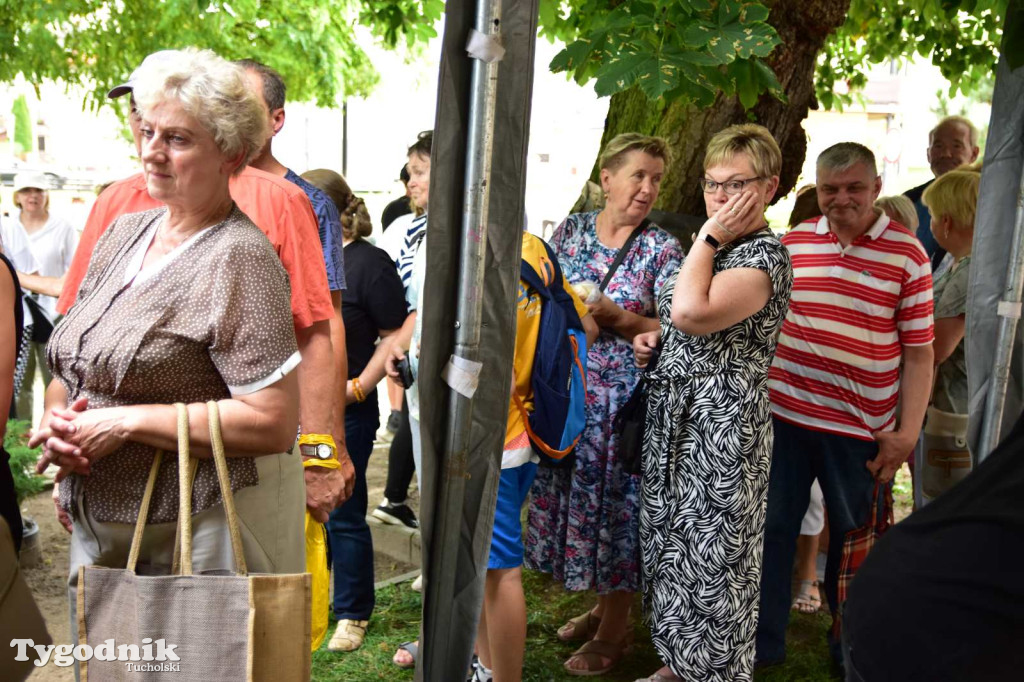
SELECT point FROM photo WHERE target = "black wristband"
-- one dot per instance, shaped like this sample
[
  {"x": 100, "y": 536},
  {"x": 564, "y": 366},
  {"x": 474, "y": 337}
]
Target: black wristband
[{"x": 712, "y": 242}]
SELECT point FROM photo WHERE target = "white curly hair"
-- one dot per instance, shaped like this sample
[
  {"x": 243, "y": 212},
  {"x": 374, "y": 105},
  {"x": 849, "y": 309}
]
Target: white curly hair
[{"x": 212, "y": 90}]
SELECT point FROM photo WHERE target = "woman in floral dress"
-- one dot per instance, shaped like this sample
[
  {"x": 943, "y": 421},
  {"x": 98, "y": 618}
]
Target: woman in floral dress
[{"x": 583, "y": 520}]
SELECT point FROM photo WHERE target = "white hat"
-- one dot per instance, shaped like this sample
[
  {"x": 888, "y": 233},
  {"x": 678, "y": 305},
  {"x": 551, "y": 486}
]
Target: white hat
[
  {"x": 129, "y": 85},
  {"x": 27, "y": 179}
]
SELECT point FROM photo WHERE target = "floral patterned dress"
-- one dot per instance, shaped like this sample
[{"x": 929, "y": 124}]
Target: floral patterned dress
[{"x": 583, "y": 519}]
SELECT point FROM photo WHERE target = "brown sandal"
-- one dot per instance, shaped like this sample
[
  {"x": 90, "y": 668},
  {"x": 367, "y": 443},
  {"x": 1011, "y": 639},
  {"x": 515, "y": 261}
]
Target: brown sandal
[
  {"x": 581, "y": 628},
  {"x": 593, "y": 653}
]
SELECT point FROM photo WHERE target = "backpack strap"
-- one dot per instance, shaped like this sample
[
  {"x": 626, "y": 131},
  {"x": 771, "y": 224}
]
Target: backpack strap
[
  {"x": 623, "y": 252},
  {"x": 544, "y": 447},
  {"x": 532, "y": 279}
]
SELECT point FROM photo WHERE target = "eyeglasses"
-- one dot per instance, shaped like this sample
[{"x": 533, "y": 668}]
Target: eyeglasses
[{"x": 729, "y": 186}]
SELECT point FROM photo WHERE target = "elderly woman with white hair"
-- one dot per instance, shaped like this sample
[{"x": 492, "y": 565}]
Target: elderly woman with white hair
[{"x": 182, "y": 304}]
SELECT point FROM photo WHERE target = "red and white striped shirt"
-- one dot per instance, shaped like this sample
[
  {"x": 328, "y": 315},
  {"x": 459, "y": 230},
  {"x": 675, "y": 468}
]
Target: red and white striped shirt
[{"x": 837, "y": 365}]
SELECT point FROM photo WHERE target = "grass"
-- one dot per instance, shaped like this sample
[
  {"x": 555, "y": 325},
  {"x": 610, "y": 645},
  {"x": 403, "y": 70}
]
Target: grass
[{"x": 397, "y": 619}]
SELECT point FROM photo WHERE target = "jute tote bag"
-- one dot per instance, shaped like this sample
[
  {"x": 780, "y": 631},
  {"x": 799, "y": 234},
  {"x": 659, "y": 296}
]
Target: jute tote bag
[{"x": 226, "y": 628}]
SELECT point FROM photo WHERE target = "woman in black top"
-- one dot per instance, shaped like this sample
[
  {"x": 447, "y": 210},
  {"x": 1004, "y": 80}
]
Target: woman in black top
[
  {"x": 10, "y": 338},
  {"x": 373, "y": 307}
]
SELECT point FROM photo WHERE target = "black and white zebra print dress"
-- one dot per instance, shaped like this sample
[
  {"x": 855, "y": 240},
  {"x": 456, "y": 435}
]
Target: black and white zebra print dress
[{"x": 706, "y": 457}]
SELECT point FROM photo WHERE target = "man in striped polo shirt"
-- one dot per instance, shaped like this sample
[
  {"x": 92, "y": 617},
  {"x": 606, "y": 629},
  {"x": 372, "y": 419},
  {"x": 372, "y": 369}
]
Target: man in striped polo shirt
[{"x": 856, "y": 342}]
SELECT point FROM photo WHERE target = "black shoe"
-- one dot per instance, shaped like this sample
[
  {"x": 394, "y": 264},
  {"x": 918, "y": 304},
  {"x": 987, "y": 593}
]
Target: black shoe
[
  {"x": 394, "y": 421},
  {"x": 396, "y": 515}
]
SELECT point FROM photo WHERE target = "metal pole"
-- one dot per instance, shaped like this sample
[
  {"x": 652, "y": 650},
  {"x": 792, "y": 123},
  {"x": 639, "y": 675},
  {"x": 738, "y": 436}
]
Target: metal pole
[
  {"x": 344, "y": 139},
  {"x": 440, "y": 661},
  {"x": 1009, "y": 315}
]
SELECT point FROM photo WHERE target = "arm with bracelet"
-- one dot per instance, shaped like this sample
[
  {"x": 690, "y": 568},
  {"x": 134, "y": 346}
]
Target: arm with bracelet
[{"x": 363, "y": 385}]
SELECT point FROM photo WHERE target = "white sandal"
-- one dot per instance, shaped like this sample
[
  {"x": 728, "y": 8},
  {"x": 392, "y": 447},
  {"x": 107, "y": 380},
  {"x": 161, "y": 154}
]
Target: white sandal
[
  {"x": 808, "y": 599},
  {"x": 348, "y": 636}
]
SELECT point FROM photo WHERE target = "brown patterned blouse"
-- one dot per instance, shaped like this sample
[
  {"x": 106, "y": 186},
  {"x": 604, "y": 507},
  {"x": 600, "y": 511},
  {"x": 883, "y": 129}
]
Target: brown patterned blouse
[{"x": 211, "y": 319}]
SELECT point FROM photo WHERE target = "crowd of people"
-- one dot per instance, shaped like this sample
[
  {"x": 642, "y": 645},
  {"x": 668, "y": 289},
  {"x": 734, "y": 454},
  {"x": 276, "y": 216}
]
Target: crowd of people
[{"x": 784, "y": 380}]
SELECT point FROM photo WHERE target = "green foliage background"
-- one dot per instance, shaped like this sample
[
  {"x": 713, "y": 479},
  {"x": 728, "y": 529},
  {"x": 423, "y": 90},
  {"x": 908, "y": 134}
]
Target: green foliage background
[
  {"x": 23, "y": 460},
  {"x": 692, "y": 49},
  {"x": 22, "y": 125},
  {"x": 672, "y": 49},
  {"x": 312, "y": 43}
]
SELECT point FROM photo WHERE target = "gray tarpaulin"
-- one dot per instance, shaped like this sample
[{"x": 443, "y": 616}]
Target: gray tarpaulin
[
  {"x": 993, "y": 250},
  {"x": 459, "y": 488}
]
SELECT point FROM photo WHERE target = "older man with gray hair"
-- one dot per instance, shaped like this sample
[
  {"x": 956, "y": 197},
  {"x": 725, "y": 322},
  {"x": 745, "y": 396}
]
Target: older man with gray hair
[
  {"x": 857, "y": 340},
  {"x": 952, "y": 143}
]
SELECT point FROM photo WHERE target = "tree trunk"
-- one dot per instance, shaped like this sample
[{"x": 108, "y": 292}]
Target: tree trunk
[{"x": 803, "y": 27}]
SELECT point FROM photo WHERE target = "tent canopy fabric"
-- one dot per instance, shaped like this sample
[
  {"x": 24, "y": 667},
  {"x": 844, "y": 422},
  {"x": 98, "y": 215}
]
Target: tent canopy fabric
[
  {"x": 459, "y": 488},
  {"x": 993, "y": 250}
]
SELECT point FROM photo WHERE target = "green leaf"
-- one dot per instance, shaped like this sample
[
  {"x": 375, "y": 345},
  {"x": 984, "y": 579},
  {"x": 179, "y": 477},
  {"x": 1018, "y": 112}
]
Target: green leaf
[
  {"x": 690, "y": 57},
  {"x": 727, "y": 43},
  {"x": 618, "y": 74},
  {"x": 720, "y": 79},
  {"x": 696, "y": 6},
  {"x": 572, "y": 57},
  {"x": 767, "y": 80},
  {"x": 698, "y": 34},
  {"x": 656, "y": 76},
  {"x": 747, "y": 88},
  {"x": 699, "y": 95},
  {"x": 728, "y": 11},
  {"x": 753, "y": 13}
]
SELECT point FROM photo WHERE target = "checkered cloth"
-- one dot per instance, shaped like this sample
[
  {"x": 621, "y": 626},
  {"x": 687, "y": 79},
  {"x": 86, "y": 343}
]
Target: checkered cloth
[{"x": 859, "y": 541}]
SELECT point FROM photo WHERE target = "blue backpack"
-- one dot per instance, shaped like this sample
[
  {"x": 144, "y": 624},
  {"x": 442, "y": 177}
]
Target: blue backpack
[{"x": 559, "y": 379}]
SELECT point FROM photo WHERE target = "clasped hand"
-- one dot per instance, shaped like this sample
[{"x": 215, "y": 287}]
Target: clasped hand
[{"x": 74, "y": 437}]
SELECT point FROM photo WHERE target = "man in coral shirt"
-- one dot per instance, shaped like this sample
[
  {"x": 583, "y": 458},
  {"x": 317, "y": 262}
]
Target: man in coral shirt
[{"x": 283, "y": 212}]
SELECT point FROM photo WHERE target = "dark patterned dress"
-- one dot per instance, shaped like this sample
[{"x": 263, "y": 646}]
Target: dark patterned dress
[
  {"x": 706, "y": 457},
  {"x": 583, "y": 520}
]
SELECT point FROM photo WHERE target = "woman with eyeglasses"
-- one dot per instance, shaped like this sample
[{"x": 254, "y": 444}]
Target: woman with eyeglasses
[{"x": 708, "y": 436}]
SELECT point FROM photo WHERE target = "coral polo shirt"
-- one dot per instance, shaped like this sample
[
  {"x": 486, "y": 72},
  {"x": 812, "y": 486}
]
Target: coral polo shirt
[{"x": 278, "y": 207}]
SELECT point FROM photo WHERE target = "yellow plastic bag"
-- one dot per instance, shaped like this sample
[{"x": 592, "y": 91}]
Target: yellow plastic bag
[{"x": 316, "y": 565}]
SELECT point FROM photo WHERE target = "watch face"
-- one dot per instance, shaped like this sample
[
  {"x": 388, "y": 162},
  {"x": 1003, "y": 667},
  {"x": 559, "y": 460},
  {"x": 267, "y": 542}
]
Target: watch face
[{"x": 323, "y": 451}]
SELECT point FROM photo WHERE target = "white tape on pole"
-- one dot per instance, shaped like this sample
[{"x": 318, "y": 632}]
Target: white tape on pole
[
  {"x": 1010, "y": 309},
  {"x": 487, "y": 47},
  {"x": 462, "y": 375}
]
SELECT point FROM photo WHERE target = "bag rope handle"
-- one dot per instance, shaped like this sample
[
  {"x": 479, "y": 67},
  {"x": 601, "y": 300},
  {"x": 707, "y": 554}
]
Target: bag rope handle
[
  {"x": 140, "y": 523},
  {"x": 184, "y": 530},
  {"x": 227, "y": 498},
  {"x": 176, "y": 562},
  {"x": 182, "y": 563}
]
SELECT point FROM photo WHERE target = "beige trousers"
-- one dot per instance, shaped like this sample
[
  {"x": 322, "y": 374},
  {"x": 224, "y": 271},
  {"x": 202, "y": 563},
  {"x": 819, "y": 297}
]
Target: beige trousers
[{"x": 271, "y": 518}]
